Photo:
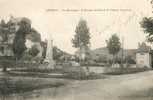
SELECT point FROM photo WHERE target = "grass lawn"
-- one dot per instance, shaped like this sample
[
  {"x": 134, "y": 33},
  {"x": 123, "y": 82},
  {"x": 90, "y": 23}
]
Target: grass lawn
[
  {"x": 13, "y": 85},
  {"x": 122, "y": 87}
]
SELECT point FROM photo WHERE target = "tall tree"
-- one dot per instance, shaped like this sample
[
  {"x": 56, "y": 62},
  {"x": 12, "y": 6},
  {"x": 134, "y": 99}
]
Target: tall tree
[
  {"x": 81, "y": 39},
  {"x": 34, "y": 35},
  {"x": 34, "y": 51},
  {"x": 113, "y": 45},
  {"x": 20, "y": 38},
  {"x": 147, "y": 25}
]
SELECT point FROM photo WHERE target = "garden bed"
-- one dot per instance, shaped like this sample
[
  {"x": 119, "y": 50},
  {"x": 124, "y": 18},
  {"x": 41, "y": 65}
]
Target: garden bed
[{"x": 119, "y": 71}]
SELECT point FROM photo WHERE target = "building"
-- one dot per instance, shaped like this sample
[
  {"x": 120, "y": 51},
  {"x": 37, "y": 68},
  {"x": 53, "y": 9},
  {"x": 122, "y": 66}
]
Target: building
[
  {"x": 7, "y": 34},
  {"x": 144, "y": 56}
]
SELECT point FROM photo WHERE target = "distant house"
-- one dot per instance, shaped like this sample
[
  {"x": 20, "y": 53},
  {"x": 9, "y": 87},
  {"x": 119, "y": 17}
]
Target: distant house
[{"x": 144, "y": 56}]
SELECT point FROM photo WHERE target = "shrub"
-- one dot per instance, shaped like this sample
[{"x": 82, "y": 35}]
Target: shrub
[
  {"x": 118, "y": 71},
  {"x": 34, "y": 51}
]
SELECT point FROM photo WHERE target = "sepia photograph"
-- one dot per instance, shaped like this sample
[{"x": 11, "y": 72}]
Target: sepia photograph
[{"x": 76, "y": 50}]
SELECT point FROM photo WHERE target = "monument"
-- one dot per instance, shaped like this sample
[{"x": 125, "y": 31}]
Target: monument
[
  {"x": 144, "y": 56},
  {"x": 49, "y": 54}
]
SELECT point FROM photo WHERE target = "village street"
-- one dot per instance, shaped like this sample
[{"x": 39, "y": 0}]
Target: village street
[
  {"x": 125, "y": 87},
  {"x": 137, "y": 86}
]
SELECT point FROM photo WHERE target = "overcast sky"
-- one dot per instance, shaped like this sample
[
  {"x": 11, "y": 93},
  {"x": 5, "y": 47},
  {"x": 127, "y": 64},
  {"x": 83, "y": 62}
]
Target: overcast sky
[{"x": 61, "y": 24}]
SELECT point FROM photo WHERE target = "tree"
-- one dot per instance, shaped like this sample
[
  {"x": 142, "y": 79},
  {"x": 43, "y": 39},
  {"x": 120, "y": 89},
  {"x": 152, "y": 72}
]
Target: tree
[
  {"x": 113, "y": 45},
  {"x": 130, "y": 60},
  {"x": 20, "y": 38},
  {"x": 57, "y": 53},
  {"x": 147, "y": 25},
  {"x": 34, "y": 51},
  {"x": 34, "y": 36},
  {"x": 81, "y": 39}
]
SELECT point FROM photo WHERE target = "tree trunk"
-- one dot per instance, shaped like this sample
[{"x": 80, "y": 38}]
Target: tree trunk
[
  {"x": 113, "y": 60},
  {"x": 16, "y": 59},
  {"x": 4, "y": 68}
]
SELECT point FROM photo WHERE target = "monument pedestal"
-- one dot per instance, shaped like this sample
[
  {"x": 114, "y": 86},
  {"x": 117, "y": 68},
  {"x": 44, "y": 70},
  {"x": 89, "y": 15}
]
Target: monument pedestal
[{"x": 50, "y": 64}]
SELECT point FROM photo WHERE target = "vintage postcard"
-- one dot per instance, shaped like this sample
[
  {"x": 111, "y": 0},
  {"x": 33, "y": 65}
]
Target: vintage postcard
[{"x": 76, "y": 50}]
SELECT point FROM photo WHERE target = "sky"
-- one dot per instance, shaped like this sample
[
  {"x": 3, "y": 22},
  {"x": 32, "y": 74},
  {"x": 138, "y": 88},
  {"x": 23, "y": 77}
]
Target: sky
[{"x": 59, "y": 22}]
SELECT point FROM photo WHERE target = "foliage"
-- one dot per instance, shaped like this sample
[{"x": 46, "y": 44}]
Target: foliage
[
  {"x": 57, "y": 53},
  {"x": 31, "y": 55},
  {"x": 147, "y": 25},
  {"x": 129, "y": 60},
  {"x": 10, "y": 85},
  {"x": 6, "y": 62},
  {"x": 82, "y": 36},
  {"x": 19, "y": 46},
  {"x": 27, "y": 57},
  {"x": 20, "y": 38},
  {"x": 119, "y": 71},
  {"x": 34, "y": 36},
  {"x": 113, "y": 44},
  {"x": 33, "y": 51},
  {"x": 101, "y": 59}
]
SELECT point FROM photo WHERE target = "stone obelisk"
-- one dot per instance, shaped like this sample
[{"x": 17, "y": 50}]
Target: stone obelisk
[{"x": 49, "y": 54}]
